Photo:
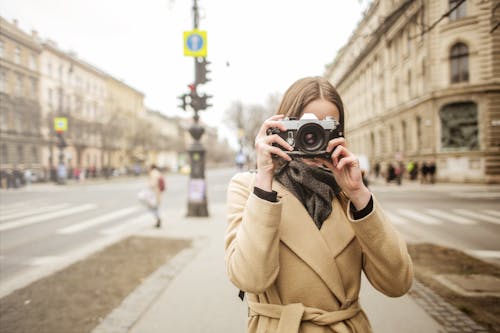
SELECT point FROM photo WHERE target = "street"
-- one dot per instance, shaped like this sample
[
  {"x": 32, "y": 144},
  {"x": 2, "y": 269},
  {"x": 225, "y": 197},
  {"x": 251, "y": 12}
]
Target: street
[{"x": 45, "y": 227}]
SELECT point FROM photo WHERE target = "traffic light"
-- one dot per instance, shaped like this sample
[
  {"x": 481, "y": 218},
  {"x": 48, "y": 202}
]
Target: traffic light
[
  {"x": 199, "y": 103},
  {"x": 201, "y": 70},
  {"x": 183, "y": 101},
  {"x": 61, "y": 143}
]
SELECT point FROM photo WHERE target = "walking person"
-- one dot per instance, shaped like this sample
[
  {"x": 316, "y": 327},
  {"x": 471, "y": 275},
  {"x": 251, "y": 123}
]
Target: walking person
[
  {"x": 157, "y": 186},
  {"x": 301, "y": 230}
]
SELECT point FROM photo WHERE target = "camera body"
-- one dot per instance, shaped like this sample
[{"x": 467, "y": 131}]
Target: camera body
[{"x": 308, "y": 137}]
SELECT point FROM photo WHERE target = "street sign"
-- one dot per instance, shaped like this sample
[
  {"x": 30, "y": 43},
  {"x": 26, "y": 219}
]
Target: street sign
[
  {"x": 195, "y": 43},
  {"x": 61, "y": 124}
]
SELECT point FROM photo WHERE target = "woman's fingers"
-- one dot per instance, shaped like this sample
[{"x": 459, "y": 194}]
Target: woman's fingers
[
  {"x": 334, "y": 143},
  {"x": 350, "y": 161},
  {"x": 269, "y": 144}
]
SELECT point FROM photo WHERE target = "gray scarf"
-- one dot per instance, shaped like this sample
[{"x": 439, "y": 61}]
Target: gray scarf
[{"x": 315, "y": 187}]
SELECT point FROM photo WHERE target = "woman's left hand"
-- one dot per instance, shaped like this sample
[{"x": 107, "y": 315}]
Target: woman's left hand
[{"x": 347, "y": 172}]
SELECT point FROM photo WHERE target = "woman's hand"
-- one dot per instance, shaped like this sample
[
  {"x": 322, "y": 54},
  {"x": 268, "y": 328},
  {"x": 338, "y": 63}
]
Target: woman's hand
[
  {"x": 347, "y": 172},
  {"x": 265, "y": 150}
]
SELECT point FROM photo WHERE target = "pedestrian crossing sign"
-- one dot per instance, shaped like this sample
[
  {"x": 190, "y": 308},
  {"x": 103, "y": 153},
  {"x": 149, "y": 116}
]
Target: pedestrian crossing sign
[
  {"x": 61, "y": 124},
  {"x": 195, "y": 43}
]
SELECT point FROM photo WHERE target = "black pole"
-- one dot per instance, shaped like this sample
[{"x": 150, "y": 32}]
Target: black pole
[{"x": 197, "y": 192}]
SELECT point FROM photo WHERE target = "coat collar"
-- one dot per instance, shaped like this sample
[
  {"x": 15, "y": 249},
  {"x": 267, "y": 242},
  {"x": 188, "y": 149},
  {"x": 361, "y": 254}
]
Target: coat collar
[{"x": 318, "y": 248}]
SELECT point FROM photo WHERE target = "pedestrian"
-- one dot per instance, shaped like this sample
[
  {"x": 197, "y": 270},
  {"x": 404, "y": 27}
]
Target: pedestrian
[
  {"x": 432, "y": 172},
  {"x": 27, "y": 177},
  {"x": 157, "y": 185},
  {"x": 425, "y": 172},
  {"x": 240, "y": 160},
  {"x": 377, "y": 169},
  {"x": 300, "y": 231}
]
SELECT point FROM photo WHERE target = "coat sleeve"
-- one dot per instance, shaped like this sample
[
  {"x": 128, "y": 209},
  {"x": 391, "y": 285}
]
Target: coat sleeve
[
  {"x": 252, "y": 237},
  {"x": 386, "y": 261}
]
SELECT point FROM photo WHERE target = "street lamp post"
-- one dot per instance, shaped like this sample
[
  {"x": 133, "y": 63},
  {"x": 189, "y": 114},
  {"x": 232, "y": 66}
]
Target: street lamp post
[{"x": 197, "y": 190}]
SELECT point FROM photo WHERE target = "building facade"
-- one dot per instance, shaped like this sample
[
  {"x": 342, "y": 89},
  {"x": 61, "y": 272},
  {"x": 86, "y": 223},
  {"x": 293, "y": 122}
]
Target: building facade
[
  {"x": 20, "y": 117},
  {"x": 124, "y": 105},
  {"x": 420, "y": 80},
  {"x": 75, "y": 90}
]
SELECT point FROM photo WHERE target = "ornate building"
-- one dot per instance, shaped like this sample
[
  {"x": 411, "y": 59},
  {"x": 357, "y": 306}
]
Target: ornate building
[
  {"x": 20, "y": 118},
  {"x": 73, "y": 89},
  {"x": 420, "y": 80},
  {"x": 124, "y": 106}
]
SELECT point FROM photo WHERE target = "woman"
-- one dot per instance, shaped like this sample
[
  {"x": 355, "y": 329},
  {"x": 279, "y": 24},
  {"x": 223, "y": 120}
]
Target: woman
[{"x": 300, "y": 231}]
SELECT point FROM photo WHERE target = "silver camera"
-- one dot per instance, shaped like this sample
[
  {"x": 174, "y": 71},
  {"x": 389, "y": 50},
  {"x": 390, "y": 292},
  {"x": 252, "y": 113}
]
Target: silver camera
[{"x": 308, "y": 137}]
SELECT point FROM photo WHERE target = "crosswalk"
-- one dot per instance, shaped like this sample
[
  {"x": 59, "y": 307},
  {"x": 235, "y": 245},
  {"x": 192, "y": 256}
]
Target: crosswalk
[
  {"x": 434, "y": 217},
  {"x": 65, "y": 233},
  {"x": 17, "y": 215}
]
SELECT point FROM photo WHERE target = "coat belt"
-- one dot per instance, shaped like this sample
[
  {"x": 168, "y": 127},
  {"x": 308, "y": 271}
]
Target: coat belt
[{"x": 291, "y": 315}]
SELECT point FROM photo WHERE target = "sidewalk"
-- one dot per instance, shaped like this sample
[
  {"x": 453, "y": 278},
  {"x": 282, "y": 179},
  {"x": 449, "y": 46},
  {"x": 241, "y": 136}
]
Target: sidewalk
[{"x": 192, "y": 293}]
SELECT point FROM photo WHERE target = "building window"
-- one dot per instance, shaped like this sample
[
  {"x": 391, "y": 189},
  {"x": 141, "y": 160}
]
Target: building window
[
  {"x": 460, "y": 11},
  {"x": 5, "y": 154},
  {"x": 459, "y": 126},
  {"x": 459, "y": 63},
  {"x": 32, "y": 63},
  {"x": 34, "y": 154},
  {"x": 403, "y": 132},
  {"x": 49, "y": 97},
  {"x": 3, "y": 81},
  {"x": 17, "y": 55},
  {"x": 4, "y": 120},
  {"x": 19, "y": 85},
  {"x": 2, "y": 49},
  {"x": 33, "y": 88},
  {"x": 20, "y": 154},
  {"x": 418, "y": 122}
]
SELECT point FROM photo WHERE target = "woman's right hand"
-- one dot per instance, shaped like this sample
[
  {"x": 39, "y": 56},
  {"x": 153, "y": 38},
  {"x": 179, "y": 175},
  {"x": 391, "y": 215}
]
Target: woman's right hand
[{"x": 264, "y": 150}]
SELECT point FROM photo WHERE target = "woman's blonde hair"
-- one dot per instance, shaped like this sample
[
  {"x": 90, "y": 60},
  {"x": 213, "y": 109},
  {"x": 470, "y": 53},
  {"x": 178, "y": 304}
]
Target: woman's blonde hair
[{"x": 308, "y": 89}]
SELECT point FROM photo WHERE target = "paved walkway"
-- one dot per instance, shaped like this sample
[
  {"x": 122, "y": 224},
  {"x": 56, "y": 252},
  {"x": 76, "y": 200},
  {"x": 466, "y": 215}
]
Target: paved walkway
[{"x": 192, "y": 294}]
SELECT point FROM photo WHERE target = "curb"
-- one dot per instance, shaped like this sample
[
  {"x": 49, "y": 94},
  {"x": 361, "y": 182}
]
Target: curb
[{"x": 451, "y": 319}]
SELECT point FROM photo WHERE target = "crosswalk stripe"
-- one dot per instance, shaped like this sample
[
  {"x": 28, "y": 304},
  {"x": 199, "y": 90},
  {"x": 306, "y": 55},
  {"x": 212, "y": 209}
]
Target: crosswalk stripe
[
  {"x": 38, "y": 210},
  {"x": 418, "y": 216},
  {"x": 493, "y": 212},
  {"x": 97, "y": 220},
  {"x": 125, "y": 226},
  {"x": 6, "y": 209},
  {"x": 450, "y": 217},
  {"x": 477, "y": 215},
  {"x": 44, "y": 217},
  {"x": 485, "y": 253},
  {"x": 396, "y": 219}
]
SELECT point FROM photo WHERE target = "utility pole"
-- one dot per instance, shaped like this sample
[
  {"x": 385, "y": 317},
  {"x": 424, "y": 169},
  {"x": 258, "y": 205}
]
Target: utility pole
[{"x": 197, "y": 191}]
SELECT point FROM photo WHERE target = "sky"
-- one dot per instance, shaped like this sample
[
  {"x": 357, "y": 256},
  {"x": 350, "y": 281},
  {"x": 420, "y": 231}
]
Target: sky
[{"x": 256, "y": 48}]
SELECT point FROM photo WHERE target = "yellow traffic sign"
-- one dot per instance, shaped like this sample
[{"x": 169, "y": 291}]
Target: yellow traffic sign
[
  {"x": 61, "y": 124},
  {"x": 195, "y": 43}
]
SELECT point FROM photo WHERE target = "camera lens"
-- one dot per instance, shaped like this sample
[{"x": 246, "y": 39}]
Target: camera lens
[{"x": 310, "y": 138}]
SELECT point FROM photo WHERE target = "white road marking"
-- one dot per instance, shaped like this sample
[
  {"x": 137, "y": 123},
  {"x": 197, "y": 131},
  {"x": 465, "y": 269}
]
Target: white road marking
[
  {"x": 25, "y": 212},
  {"x": 477, "y": 215},
  {"x": 493, "y": 212},
  {"x": 450, "y": 217},
  {"x": 485, "y": 253},
  {"x": 48, "y": 260},
  {"x": 97, "y": 220},
  {"x": 396, "y": 219},
  {"x": 141, "y": 219},
  {"x": 418, "y": 216},
  {"x": 44, "y": 217}
]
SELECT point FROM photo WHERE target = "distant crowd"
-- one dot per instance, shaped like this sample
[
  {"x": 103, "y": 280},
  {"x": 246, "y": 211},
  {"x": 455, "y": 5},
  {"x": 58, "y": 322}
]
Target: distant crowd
[
  {"x": 19, "y": 177},
  {"x": 396, "y": 171}
]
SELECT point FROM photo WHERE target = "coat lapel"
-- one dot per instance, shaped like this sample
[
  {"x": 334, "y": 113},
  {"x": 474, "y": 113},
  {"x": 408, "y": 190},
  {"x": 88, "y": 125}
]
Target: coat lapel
[{"x": 301, "y": 235}]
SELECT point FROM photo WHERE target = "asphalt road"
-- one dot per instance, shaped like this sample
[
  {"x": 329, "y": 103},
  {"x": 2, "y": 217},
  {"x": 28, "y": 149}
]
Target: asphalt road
[{"x": 45, "y": 227}]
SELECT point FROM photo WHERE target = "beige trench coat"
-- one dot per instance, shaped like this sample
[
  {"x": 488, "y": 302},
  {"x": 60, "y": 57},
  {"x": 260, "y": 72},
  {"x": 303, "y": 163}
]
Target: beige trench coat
[{"x": 299, "y": 278}]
